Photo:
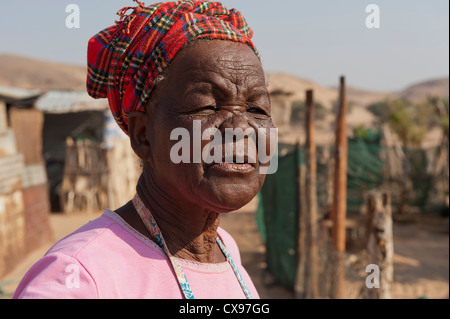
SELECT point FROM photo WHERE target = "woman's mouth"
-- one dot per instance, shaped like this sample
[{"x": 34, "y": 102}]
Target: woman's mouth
[{"x": 233, "y": 167}]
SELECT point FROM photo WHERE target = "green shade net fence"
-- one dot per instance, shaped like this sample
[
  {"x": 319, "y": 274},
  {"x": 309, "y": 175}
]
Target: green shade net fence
[{"x": 277, "y": 214}]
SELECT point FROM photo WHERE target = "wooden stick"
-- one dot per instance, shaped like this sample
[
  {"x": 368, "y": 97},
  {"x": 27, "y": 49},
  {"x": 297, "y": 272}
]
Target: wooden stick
[
  {"x": 380, "y": 246},
  {"x": 311, "y": 260},
  {"x": 339, "y": 210},
  {"x": 300, "y": 271}
]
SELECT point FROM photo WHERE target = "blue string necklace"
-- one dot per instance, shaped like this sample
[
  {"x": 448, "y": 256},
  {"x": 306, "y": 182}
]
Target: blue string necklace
[{"x": 154, "y": 230}]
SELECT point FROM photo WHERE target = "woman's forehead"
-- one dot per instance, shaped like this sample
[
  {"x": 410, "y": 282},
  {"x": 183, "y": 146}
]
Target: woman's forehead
[{"x": 217, "y": 59}]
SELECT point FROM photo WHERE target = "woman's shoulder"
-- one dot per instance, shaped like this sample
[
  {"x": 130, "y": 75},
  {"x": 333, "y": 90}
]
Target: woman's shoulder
[
  {"x": 74, "y": 242},
  {"x": 102, "y": 233},
  {"x": 90, "y": 258}
]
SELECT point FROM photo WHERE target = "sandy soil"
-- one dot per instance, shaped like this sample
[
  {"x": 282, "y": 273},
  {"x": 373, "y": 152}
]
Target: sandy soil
[
  {"x": 421, "y": 258},
  {"x": 421, "y": 262}
]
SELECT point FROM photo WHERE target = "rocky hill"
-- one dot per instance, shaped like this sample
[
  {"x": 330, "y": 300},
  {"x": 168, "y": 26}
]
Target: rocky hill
[
  {"x": 293, "y": 89},
  {"x": 419, "y": 91},
  {"x": 28, "y": 73}
]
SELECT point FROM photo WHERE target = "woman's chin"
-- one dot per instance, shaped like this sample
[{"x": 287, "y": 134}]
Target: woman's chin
[{"x": 226, "y": 198}]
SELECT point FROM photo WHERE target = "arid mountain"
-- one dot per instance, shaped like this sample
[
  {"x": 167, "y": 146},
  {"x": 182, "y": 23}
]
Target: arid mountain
[
  {"x": 328, "y": 95},
  {"x": 325, "y": 95},
  {"x": 27, "y": 73},
  {"x": 419, "y": 91},
  {"x": 294, "y": 89}
]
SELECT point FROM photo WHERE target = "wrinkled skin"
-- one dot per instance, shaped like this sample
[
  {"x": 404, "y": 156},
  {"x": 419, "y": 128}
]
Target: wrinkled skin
[{"x": 221, "y": 84}]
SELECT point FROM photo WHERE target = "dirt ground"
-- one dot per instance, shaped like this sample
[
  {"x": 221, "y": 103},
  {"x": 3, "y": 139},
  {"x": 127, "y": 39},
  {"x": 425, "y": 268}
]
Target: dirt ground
[
  {"x": 421, "y": 261},
  {"x": 421, "y": 258}
]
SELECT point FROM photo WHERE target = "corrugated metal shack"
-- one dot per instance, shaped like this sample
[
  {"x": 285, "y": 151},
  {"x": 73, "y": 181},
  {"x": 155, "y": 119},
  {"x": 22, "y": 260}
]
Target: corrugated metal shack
[
  {"x": 60, "y": 151},
  {"x": 24, "y": 205},
  {"x": 82, "y": 148},
  {"x": 67, "y": 115}
]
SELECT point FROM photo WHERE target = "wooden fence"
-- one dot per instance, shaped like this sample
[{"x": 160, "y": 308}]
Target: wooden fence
[{"x": 96, "y": 178}]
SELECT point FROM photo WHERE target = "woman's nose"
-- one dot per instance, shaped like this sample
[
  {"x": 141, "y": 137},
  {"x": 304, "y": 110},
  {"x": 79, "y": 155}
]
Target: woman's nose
[{"x": 235, "y": 117}]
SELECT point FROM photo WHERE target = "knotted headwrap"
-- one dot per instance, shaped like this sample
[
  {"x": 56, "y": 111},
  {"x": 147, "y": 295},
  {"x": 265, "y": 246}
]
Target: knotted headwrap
[{"x": 125, "y": 59}]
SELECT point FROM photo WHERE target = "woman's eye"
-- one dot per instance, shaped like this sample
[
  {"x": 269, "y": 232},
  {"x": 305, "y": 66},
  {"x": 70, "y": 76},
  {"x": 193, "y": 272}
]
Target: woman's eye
[
  {"x": 256, "y": 111},
  {"x": 257, "y": 104},
  {"x": 209, "y": 109}
]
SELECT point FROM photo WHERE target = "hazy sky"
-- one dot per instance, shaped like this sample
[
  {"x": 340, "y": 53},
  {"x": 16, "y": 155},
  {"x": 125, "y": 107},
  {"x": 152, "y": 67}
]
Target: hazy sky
[{"x": 318, "y": 40}]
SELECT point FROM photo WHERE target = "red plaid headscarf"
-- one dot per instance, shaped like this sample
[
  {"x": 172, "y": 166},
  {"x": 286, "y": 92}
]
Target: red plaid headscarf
[{"x": 125, "y": 59}]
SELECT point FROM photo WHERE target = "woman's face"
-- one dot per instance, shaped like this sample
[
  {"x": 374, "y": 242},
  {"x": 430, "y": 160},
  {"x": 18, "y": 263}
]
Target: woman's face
[{"x": 219, "y": 85}]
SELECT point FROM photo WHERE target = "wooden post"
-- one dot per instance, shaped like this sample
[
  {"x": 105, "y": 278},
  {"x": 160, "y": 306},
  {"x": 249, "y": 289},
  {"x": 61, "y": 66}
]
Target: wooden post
[
  {"x": 311, "y": 248},
  {"x": 380, "y": 247},
  {"x": 339, "y": 209},
  {"x": 300, "y": 271},
  {"x": 3, "y": 118}
]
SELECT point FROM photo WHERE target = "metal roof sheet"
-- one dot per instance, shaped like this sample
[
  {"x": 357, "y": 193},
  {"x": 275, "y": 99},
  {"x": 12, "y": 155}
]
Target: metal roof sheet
[
  {"x": 18, "y": 93},
  {"x": 67, "y": 101}
]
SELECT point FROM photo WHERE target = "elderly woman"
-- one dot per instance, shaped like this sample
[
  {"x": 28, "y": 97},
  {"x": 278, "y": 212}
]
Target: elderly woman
[{"x": 167, "y": 66}]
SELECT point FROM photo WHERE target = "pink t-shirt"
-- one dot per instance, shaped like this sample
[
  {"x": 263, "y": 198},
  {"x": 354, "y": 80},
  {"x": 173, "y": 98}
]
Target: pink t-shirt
[{"x": 107, "y": 258}]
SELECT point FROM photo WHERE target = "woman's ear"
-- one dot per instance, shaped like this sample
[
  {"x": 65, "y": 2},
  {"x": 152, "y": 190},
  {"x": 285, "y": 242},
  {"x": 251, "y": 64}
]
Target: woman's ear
[{"x": 137, "y": 131}]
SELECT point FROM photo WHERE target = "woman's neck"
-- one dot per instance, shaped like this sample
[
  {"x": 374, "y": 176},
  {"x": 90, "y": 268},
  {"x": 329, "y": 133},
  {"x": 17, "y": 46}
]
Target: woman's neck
[{"x": 189, "y": 231}]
